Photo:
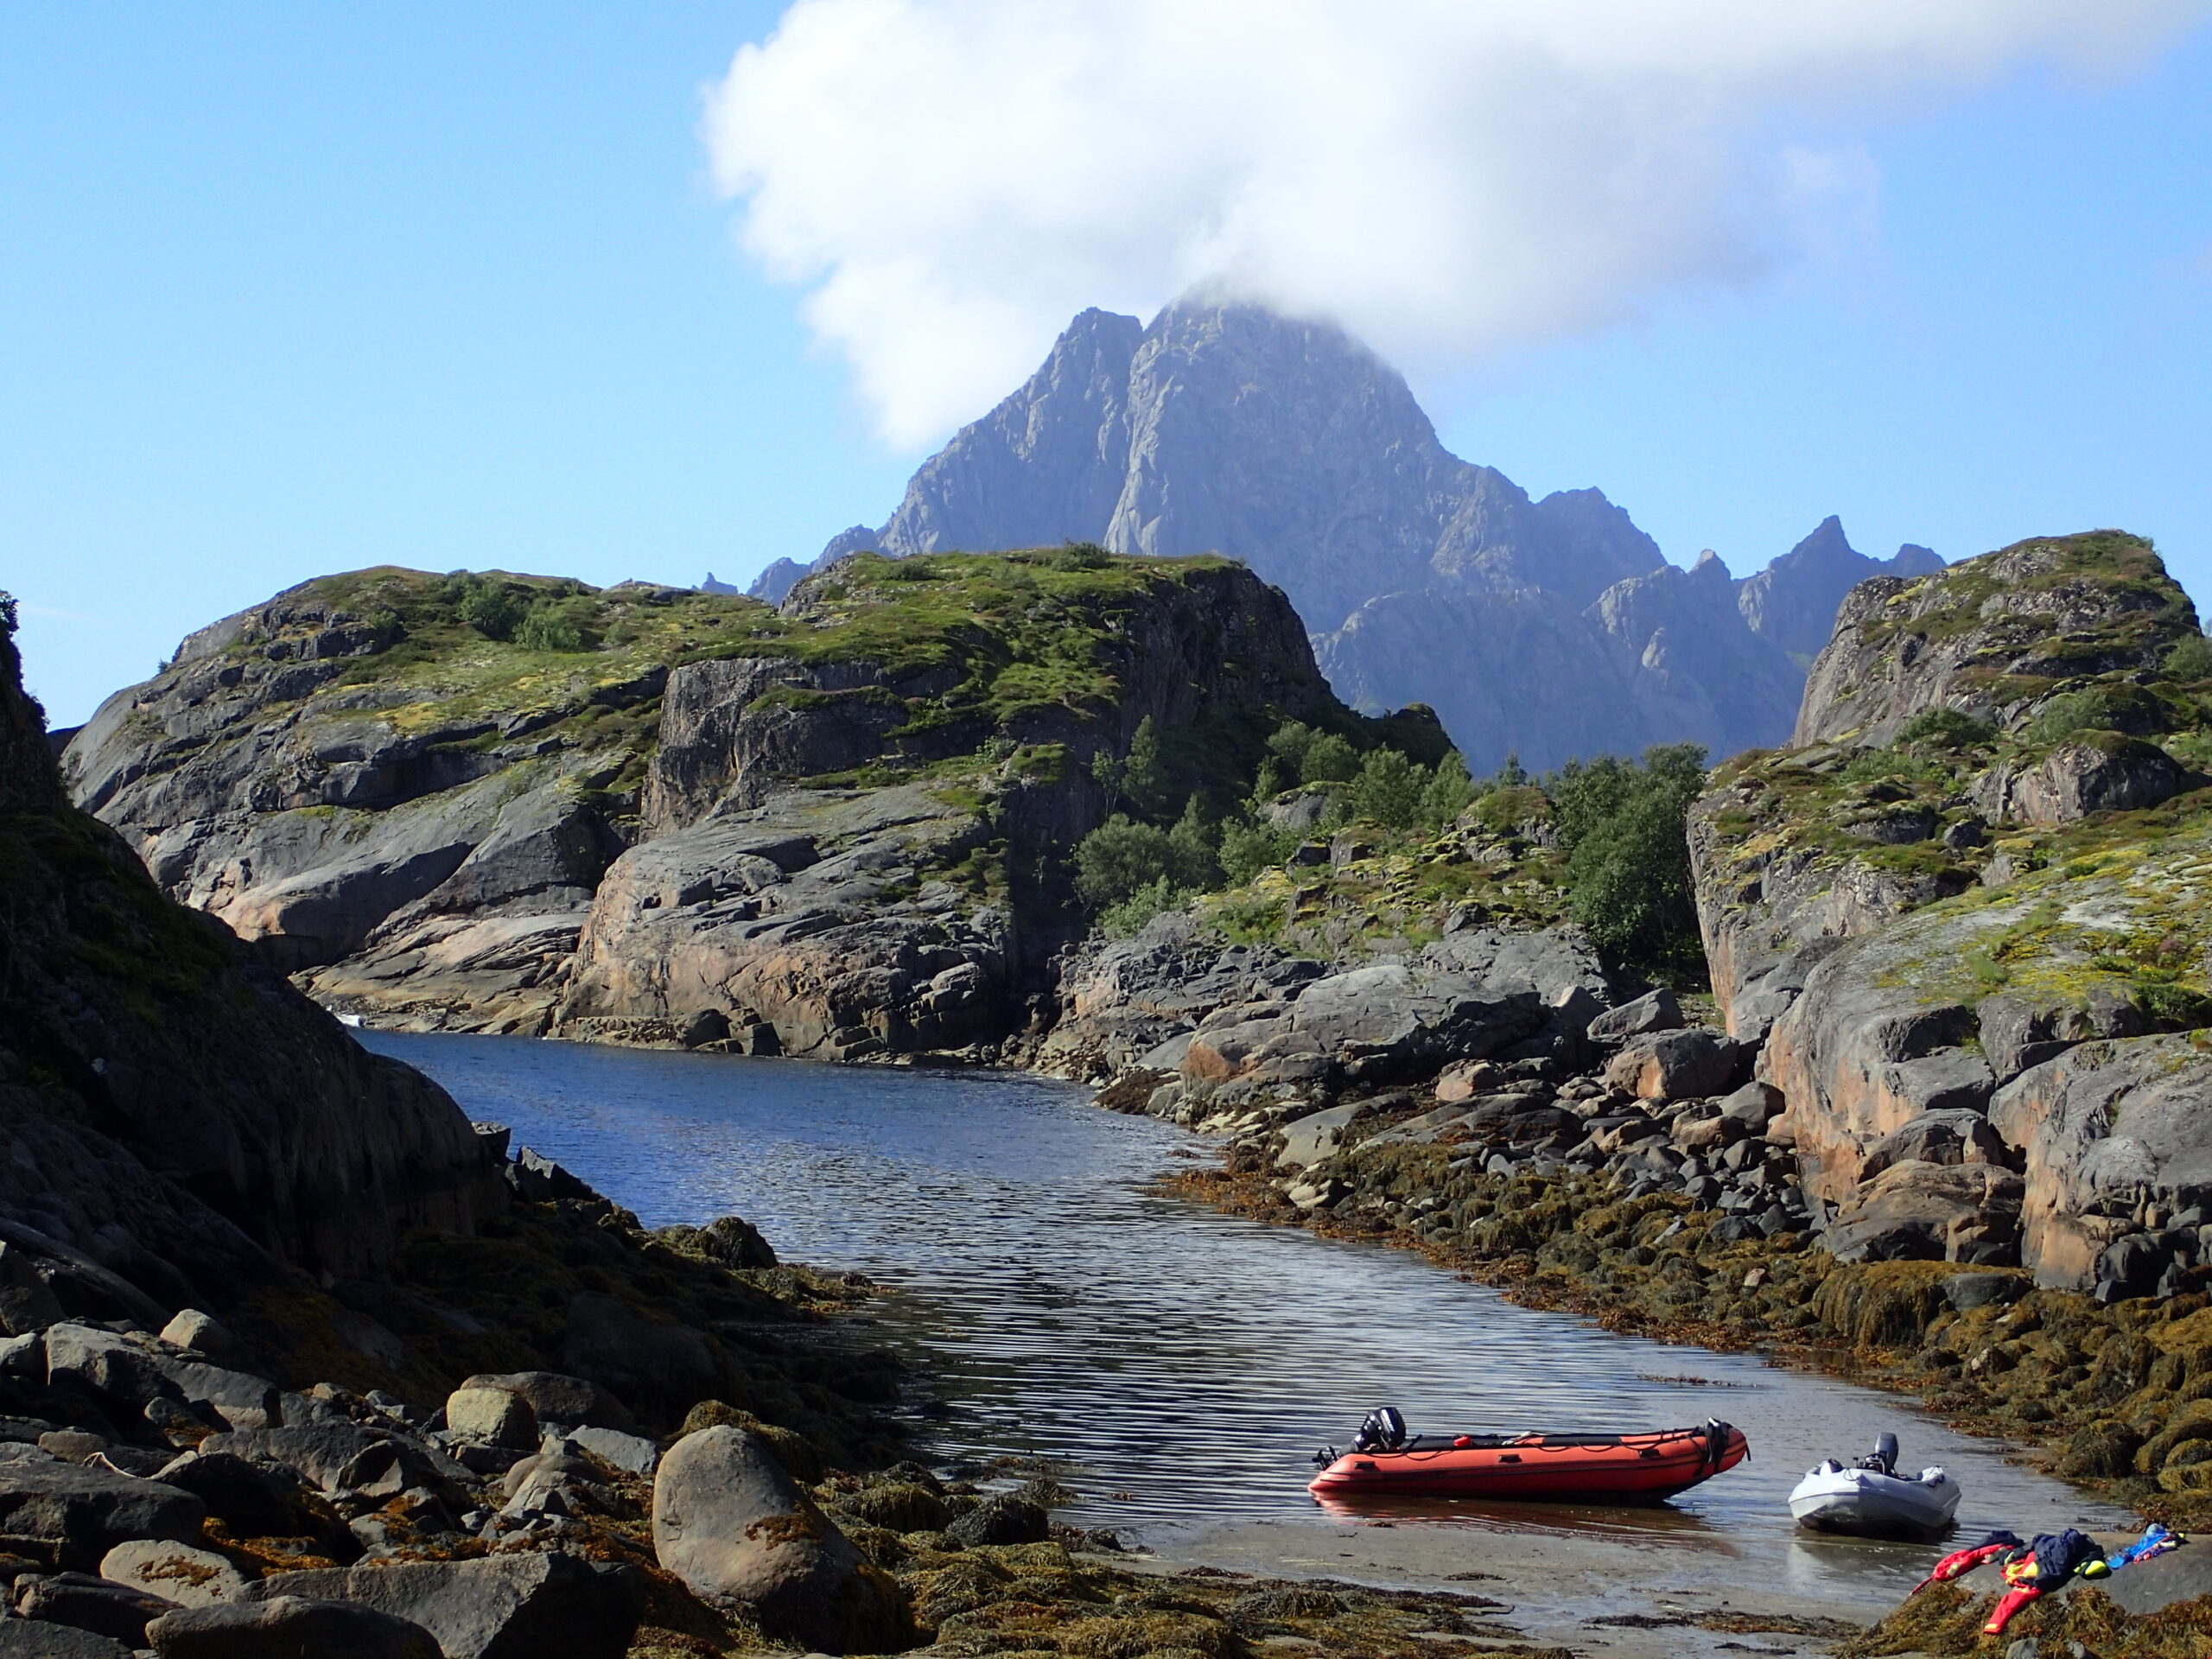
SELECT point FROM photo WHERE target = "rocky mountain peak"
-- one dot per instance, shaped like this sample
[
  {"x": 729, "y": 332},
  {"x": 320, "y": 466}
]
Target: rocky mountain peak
[
  {"x": 1224, "y": 427},
  {"x": 1793, "y": 601}
]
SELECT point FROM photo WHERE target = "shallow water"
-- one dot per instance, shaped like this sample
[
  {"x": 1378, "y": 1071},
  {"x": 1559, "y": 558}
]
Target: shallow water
[{"x": 1182, "y": 1366}]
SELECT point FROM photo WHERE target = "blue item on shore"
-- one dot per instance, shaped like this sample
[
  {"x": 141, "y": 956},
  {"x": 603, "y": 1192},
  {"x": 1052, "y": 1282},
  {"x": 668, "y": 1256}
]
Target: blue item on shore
[{"x": 2155, "y": 1542}]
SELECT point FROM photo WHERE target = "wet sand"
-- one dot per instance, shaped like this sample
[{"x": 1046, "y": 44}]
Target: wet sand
[{"x": 1559, "y": 1586}]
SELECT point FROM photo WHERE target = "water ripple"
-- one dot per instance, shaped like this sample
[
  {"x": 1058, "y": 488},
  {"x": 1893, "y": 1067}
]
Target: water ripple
[{"x": 1180, "y": 1365}]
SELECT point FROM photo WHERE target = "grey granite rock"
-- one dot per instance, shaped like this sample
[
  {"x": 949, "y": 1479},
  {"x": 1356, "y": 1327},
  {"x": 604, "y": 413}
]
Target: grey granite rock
[
  {"x": 2106, "y": 1129},
  {"x": 508, "y": 1606},
  {"x": 288, "y": 1627},
  {"x": 88, "y": 1511},
  {"x": 730, "y": 1523}
]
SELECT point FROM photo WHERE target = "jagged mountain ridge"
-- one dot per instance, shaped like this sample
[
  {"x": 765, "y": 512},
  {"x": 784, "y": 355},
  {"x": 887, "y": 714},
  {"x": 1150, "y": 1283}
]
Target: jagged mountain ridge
[{"x": 1423, "y": 577}]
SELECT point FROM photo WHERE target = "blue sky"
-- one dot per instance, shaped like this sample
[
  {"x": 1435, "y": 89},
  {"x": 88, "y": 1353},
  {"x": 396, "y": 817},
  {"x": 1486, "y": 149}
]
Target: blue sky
[{"x": 286, "y": 290}]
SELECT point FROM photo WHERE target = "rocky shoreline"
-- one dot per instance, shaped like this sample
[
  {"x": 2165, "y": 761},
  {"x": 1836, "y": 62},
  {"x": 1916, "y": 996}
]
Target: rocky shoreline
[{"x": 157, "y": 1495}]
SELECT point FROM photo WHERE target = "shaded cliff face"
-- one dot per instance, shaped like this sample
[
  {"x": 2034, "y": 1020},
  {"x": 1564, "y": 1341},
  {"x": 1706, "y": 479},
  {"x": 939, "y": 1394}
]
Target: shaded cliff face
[
  {"x": 1792, "y": 603},
  {"x": 1424, "y": 578},
  {"x": 852, "y": 838},
  {"x": 2004, "y": 857},
  {"x": 371, "y": 788},
  {"x": 172, "y": 1110}
]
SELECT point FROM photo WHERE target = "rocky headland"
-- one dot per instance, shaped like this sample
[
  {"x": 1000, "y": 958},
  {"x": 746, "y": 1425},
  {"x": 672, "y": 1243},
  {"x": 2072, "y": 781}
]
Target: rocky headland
[{"x": 834, "y": 827}]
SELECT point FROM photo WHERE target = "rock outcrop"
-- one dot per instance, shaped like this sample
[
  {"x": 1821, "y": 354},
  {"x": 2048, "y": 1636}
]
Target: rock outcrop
[
  {"x": 1987, "y": 849},
  {"x": 768, "y": 911},
  {"x": 1998, "y": 639},
  {"x": 378, "y": 792},
  {"x": 730, "y": 1523},
  {"x": 1205, "y": 1029},
  {"x": 1551, "y": 627},
  {"x": 833, "y": 828},
  {"x": 179, "y": 1122}
]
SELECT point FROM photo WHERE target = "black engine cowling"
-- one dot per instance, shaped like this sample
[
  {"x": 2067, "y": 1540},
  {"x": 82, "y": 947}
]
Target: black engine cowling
[{"x": 1384, "y": 1431}]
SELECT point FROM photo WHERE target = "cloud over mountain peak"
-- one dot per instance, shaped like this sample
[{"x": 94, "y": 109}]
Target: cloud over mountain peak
[{"x": 950, "y": 179}]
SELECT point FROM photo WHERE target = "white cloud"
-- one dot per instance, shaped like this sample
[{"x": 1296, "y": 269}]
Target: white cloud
[{"x": 952, "y": 179}]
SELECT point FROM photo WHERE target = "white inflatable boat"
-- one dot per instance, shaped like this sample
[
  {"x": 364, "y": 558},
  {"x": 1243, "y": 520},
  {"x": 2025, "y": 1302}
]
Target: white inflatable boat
[{"x": 1871, "y": 1499}]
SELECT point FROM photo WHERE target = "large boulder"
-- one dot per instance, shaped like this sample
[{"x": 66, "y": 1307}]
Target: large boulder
[
  {"x": 126, "y": 1372},
  {"x": 319, "y": 1451},
  {"x": 1674, "y": 1066},
  {"x": 89, "y": 1602},
  {"x": 258, "y": 1500},
  {"x": 2113, "y": 1135},
  {"x": 1310, "y": 1139},
  {"x": 729, "y": 1523},
  {"x": 1391, "y": 1020},
  {"x": 2102, "y": 773},
  {"x": 571, "y": 1402},
  {"x": 1655, "y": 1010},
  {"x": 85, "y": 1512},
  {"x": 507, "y": 1607},
  {"x": 492, "y": 1417},
  {"x": 189, "y": 1576},
  {"x": 1924, "y": 1212},
  {"x": 21, "y": 1638},
  {"x": 1002, "y": 1518},
  {"x": 1955, "y": 1136},
  {"x": 288, "y": 1627},
  {"x": 1121, "y": 1000}
]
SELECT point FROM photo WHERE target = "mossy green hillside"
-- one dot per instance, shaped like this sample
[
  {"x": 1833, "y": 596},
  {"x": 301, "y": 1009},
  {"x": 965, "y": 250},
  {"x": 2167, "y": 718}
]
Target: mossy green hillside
[
  {"x": 2116, "y": 899},
  {"x": 975, "y": 640},
  {"x": 1369, "y": 888},
  {"x": 1969, "y": 596}
]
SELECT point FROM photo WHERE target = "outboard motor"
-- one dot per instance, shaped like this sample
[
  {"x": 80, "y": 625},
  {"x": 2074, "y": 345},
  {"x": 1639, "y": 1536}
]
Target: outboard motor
[
  {"x": 1884, "y": 1460},
  {"x": 1384, "y": 1431}
]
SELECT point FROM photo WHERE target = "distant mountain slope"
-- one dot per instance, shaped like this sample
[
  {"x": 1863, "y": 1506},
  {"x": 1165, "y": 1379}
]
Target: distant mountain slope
[{"x": 1551, "y": 627}]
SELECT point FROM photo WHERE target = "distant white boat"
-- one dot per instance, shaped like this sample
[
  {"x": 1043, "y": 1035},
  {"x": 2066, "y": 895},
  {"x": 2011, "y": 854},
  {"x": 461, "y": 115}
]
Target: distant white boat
[{"x": 1871, "y": 1500}]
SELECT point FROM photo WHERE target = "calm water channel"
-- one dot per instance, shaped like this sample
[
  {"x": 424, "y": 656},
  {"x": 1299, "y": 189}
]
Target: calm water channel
[{"x": 1180, "y": 1364}]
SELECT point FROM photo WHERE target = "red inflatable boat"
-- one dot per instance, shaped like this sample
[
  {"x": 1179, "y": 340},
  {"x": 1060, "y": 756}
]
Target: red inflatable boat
[{"x": 1542, "y": 1468}]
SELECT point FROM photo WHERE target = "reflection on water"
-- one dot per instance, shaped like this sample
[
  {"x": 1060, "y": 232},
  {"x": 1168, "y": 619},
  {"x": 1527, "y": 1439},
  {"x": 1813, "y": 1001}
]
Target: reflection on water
[{"x": 1183, "y": 1366}]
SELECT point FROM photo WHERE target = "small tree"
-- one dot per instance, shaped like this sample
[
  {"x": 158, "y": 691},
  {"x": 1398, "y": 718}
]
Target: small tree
[
  {"x": 1946, "y": 728},
  {"x": 1106, "y": 768},
  {"x": 1119, "y": 921},
  {"x": 1450, "y": 792},
  {"x": 1624, "y": 827},
  {"x": 1248, "y": 848},
  {"x": 1287, "y": 747},
  {"x": 1118, "y": 858},
  {"x": 492, "y": 608},
  {"x": 1144, "y": 774},
  {"x": 545, "y": 627},
  {"x": 1388, "y": 790},
  {"x": 1328, "y": 759},
  {"x": 1190, "y": 848},
  {"x": 2190, "y": 659}
]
